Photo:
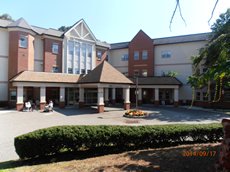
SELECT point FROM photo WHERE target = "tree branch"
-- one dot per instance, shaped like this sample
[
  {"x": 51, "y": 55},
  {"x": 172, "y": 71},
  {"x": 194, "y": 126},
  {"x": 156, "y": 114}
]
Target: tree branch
[
  {"x": 177, "y": 1},
  {"x": 177, "y": 5},
  {"x": 213, "y": 11}
]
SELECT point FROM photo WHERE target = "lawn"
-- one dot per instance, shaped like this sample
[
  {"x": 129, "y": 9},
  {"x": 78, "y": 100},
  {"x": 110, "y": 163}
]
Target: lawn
[{"x": 196, "y": 157}]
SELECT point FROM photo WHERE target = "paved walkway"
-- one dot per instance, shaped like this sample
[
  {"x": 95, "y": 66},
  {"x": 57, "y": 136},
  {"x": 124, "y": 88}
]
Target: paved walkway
[{"x": 14, "y": 123}]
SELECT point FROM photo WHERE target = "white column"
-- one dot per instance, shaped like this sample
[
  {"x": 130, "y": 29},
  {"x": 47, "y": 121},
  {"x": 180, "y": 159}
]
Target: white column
[
  {"x": 113, "y": 93},
  {"x": 100, "y": 96},
  {"x": 156, "y": 94},
  {"x": 19, "y": 95},
  {"x": 42, "y": 94},
  {"x": 81, "y": 94},
  {"x": 62, "y": 94},
  {"x": 106, "y": 94},
  {"x": 127, "y": 95},
  {"x": 176, "y": 94},
  {"x": 139, "y": 93}
]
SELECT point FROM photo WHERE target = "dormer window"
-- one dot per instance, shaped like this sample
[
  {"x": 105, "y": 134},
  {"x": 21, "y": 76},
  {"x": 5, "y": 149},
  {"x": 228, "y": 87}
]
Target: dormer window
[{"x": 23, "y": 41}]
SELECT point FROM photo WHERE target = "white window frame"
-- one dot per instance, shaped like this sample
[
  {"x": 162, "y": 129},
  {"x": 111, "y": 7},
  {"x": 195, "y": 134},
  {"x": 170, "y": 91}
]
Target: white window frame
[
  {"x": 99, "y": 57},
  {"x": 21, "y": 44},
  {"x": 55, "y": 48},
  {"x": 166, "y": 54},
  {"x": 125, "y": 57},
  {"x": 136, "y": 55},
  {"x": 144, "y": 55}
]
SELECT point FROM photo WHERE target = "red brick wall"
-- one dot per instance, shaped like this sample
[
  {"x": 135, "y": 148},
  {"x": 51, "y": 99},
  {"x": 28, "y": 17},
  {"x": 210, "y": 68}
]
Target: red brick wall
[
  {"x": 139, "y": 43},
  {"x": 51, "y": 59},
  {"x": 18, "y": 57}
]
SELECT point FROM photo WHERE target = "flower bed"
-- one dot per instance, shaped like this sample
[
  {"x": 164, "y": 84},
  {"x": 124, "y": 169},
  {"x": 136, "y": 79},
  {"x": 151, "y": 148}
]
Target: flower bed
[{"x": 135, "y": 113}]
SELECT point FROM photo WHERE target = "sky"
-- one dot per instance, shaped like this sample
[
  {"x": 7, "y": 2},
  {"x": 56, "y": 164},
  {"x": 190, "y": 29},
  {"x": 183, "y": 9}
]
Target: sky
[{"x": 118, "y": 20}]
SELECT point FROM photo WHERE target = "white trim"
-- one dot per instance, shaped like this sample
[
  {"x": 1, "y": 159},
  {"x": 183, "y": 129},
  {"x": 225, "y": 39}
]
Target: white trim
[
  {"x": 74, "y": 29},
  {"x": 81, "y": 22},
  {"x": 156, "y": 86},
  {"x": 42, "y": 84}
]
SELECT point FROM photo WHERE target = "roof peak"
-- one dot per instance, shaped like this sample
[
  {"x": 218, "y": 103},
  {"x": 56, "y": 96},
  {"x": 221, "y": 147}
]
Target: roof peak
[{"x": 22, "y": 23}]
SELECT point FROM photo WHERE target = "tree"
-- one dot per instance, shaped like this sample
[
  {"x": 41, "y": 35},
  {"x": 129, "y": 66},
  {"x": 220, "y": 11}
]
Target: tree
[
  {"x": 215, "y": 57},
  {"x": 6, "y": 16},
  {"x": 64, "y": 28}
]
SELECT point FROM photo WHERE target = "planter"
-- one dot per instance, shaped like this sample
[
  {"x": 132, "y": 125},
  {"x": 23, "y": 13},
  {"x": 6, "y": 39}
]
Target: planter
[{"x": 135, "y": 114}]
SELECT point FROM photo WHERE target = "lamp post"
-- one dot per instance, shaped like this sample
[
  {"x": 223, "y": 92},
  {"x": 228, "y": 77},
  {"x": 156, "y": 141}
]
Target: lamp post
[{"x": 136, "y": 92}]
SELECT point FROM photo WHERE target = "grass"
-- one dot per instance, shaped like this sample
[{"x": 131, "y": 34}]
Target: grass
[{"x": 154, "y": 160}]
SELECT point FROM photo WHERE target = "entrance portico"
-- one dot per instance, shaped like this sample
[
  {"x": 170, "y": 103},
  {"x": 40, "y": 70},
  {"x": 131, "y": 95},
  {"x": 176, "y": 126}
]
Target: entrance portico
[
  {"x": 105, "y": 77},
  {"x": 157, "y": 90},
  {"x": 44, "y": 82}
]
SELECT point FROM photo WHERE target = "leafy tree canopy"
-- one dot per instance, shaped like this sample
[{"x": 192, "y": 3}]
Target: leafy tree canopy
[
  {"x": 64, "y": 28},
  {"x": 215, "y": 57},
  {"x": 6, "y": 16}
]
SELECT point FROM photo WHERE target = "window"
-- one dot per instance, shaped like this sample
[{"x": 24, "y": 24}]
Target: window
[
  {"x": 99, "y": 55},
  {"x": 197, "y": 95},
  {"x": 55, "y": 69},
  {"x": 136, "y": 55},
  {"x": 144, "y": 73},
  {"x": 136, "y": 73},
  {"x": 13, "y": 95},
  {"x": 55, "y": 48},
  {"x": 166, "y": 54},
  {"x": 71, "y": 47},
  {"x": 83, "y": 71},
  {"x": 89, "y": 50},
  {"x": 76, "y": 71},
  {"x": 144, "y": 55},
  {"x": 88, "y": 71},
  {"x": 23, "y": 41},
  {"x": 70, "y": 70},
  {"x": 125, "y": 57}
]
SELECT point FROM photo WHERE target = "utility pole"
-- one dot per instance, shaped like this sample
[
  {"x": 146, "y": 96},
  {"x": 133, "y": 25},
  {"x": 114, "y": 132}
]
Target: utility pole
[{"x": 137, "y": 92}]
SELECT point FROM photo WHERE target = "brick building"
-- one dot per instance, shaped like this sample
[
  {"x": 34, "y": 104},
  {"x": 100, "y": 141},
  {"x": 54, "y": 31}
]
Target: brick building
[{"x": 46, "y": 64}]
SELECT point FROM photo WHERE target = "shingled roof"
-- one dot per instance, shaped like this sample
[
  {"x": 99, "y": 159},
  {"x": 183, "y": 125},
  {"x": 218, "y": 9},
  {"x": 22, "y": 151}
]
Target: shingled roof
[
  {"x": 105, "y": 73},
  {"x": 31, "y": 76},
  {"x": 20, "y": 23},
  {"x": 157, "y": 80}
]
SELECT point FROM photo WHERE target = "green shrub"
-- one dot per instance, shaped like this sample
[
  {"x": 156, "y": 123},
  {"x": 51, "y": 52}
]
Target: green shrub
[{"x": 58, "y": 139}]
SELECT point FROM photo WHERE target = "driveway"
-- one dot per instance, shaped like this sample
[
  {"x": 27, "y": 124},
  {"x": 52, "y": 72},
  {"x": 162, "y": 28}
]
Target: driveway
[{"x": 14, "y": 123}]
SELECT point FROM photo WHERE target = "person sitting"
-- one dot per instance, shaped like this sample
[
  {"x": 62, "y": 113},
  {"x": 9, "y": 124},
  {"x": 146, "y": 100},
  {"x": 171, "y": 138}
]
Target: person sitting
[
  {"x": 49, "y": 107},
  {"x": 28, "y": 106}
]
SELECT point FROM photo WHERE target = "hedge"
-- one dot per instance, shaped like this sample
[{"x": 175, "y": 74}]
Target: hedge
[{"x": 54, "y": 140}]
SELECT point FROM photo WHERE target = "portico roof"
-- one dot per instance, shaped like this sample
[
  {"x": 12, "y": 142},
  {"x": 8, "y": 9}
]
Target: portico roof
[
  {"x": 157, "y": 80},
  {"x": 43, "y": 77},
  {"x": 105, "y": 73}
]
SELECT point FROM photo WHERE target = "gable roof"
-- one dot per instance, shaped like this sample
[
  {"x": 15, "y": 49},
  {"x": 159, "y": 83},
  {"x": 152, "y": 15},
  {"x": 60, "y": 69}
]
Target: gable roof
[
  {"x": 81, "y": 21},
  {"x": 157, "y": 80},
  {"x": 4, "y": 23},
  {"x": 168, "y": 40},
  {"x": 20, "y": 23},
  {"x": 105, "y": 73},
  {"x": 31, "y": 76}
]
